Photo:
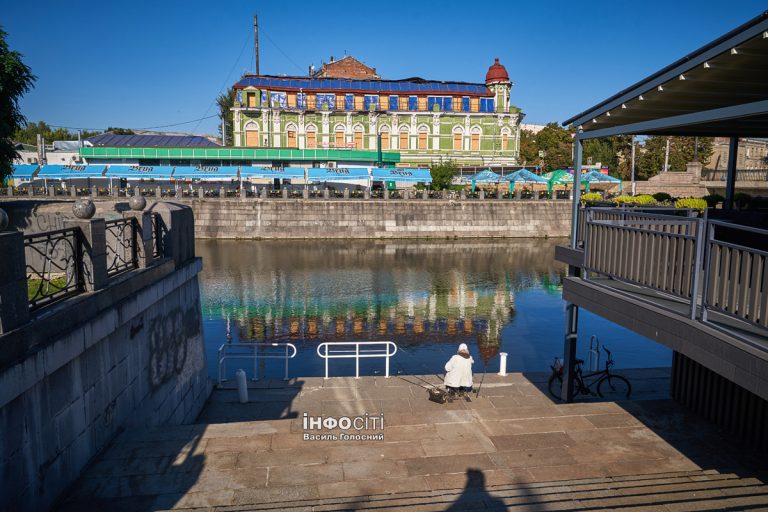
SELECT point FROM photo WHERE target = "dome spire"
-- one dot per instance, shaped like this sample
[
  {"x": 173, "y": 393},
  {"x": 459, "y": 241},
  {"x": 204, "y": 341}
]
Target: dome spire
[{"x": 497, "y": 73}]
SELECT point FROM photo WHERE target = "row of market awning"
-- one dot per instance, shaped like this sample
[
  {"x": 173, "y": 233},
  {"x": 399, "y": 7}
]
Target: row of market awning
[
  {"x": 550, "y": 179},
  {"x": 221, "y": 173}
]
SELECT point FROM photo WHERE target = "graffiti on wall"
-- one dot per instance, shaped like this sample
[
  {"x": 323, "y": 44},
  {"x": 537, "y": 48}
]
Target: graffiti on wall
[{"x": 169, "y": 337}]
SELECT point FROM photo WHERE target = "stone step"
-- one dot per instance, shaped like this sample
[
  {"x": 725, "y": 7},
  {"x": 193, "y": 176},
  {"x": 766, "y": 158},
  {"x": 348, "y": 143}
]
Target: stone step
[{"x": 689, "y": 490}]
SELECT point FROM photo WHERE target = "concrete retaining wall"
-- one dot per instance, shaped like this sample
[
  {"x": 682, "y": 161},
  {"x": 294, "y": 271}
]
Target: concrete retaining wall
[{"x": 276, "y": 218}]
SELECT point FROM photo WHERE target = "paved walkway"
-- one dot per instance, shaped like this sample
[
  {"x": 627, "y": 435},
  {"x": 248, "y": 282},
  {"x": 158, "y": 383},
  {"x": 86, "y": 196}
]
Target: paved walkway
[{"x": 512, "y": 448}]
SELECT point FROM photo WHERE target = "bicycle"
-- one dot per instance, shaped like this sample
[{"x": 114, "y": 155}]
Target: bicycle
[{"x": 607, "y": 384}]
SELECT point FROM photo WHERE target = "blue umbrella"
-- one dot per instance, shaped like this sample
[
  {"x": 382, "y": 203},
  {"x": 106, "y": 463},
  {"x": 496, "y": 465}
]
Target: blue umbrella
[{"x": 524, "y": 176}]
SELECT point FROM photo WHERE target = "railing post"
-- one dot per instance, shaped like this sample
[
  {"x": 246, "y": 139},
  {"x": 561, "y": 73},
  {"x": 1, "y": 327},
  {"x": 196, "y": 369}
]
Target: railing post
[
  {"x": 386, "y": 364},
  {"x": 357, "y": 359},
  {"x": 143, "y": 244},
  {"x": 326, "y": 361},
  {"x": 93, "y": 248},
  {"x": 13, "y": 281},
  {"x": 707, "y": 270},
  {"x": 286, "y": 362},
  {"x": 701, "y": 225}
]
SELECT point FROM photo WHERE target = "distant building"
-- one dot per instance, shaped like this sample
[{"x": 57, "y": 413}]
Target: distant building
[
  {"x": 346, "y": 106},
  {"x": 534, "y": 128},
  {"x": 752, "y": 154}
]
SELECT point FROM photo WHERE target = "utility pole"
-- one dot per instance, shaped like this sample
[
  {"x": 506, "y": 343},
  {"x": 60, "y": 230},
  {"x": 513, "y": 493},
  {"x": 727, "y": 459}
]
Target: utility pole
[
  {"x": 256, "y": 41},
  {"x": 224, "y": 130},
  {"x": 666, "y": 157}
]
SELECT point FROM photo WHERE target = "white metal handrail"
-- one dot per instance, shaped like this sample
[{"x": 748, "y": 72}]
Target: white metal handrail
[
  {"x": 254, "y": 351},
  {"x": 326, "y": 351}
]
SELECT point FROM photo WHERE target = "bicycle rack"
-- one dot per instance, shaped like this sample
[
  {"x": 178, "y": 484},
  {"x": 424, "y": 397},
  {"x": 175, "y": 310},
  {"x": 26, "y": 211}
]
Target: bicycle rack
[{"x": 594, "y": 353}]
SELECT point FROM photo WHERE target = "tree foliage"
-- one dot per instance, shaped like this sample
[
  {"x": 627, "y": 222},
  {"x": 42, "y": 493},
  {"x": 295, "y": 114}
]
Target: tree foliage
[
  {"x": 442, "y": 174},
  {"x": 224, "y": 102},
  {"x": 16, "y": 79},
  {"x": 28, "y": 134},
  {"x": 120, "y": 131},
  {"x": 650, "y": 158}
]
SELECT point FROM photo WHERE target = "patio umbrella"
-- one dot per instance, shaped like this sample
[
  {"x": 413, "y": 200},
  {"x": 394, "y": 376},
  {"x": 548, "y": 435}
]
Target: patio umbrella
[
  {"x": 558, "y": 177},
  {"x": 486, "y": 176},
  {"x": 524, "y": 176},
  {"x": 598, "y": 177}
]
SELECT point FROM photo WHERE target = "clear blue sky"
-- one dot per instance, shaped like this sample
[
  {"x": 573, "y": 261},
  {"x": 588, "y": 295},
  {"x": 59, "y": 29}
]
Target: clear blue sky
[{"x": 143, "y": 64}]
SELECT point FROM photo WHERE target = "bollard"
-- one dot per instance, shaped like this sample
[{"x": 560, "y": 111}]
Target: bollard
[
  {"x": 481, "y": 194},
  {"x": 503, "y": 364},
  {"x": 242, "y": 386},
  {"x": 285, "y": 193}
]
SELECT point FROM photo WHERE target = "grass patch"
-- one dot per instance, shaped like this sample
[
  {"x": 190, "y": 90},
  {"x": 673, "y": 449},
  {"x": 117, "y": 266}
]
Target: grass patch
[{"x": 49, "y": 287}]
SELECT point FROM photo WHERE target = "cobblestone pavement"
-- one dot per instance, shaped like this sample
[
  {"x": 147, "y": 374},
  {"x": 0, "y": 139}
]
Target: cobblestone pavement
[{"x": 510, "y": 448}]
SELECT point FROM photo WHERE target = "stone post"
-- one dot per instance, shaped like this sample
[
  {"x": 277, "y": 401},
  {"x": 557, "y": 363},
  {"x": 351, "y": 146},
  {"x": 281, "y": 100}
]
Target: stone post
[
  {"x": 9, "y": 191},
  {"x": 386, "y": 193},
  {"x": 346, "y": 193},
  {"x": 463, "y": 194},
  {"x": 158, "y": 192},
  {"x": 94, "y": 191},
  {"x": 13, "y": 282},
  {"x": 305, "y": 194},
  {"x": 94, "y": 264},
  {"x": 481, "y": 195},
  {"x": 144, "y": 241},
  {"x": 406, "y": 194},
  {"x": 285, "y": 193},
  {"x": 326, "y": 194},
  {"x": 536, "y": 195},
  {"x": 243, "y": 193},
  {"x": 518, "y": 194},
  {"x": 222, "y": 192},
  {"x": 694, "y": 168},
  {"x": 52, "y": 191},
  {"x": 30, "y": 190},
  {"x": 200, "y": 193},
  {"x": 73, "y": 191},
  {"x": 425, "y": 194},
  {"x": 264, "y": 193}
]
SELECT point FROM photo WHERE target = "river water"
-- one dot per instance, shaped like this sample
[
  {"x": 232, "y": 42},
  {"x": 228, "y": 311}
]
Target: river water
[{"x": 425, "y": 296}]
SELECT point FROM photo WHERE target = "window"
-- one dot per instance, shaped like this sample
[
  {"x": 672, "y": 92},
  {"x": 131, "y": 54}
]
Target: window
[
  {"x": 423, "y": 138},
  {"x": 413, "y": 103},
  {"x": 458, "y": 143},
  {"x": 371, "y": 102},
  {"x": 251, "y": 98},
  {"x": 292, "y": 138},
  {"x": 422, "y": 103},
  {"x": 349, "y": 102},
  {"x": 301, "y": 100},
  {"x": 504, "y": 141},
  {"x": 393, "y": 103},
  {"x": 486, "y": 105},
  {"x": 291, "y": 100},
  {"x": 404, "y": 102},
  {"x": 311, "y": 139},
  {"x": 252, "y": 135},
  {"x": 404, "y": 140},
  {"x": 358, "y": 138},
  {"x": 448, "y": 104},
  {"x": 443, "y": 104},
  {"x": 339, "y": 138},
  {"x": 278, "y": 100},
  {"x": 358, "y": 102},
  {"x": 474, "y": 104},
  {"x": 475, "y": 140},
  {"x": 465, "y": 104},
  {"x": 384, "y": 140},
  {"x": 325, "y": 101}
]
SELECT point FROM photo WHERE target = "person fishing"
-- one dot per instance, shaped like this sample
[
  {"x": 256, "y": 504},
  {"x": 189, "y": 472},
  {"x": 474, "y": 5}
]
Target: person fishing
[{"x": 458, "y": 372}]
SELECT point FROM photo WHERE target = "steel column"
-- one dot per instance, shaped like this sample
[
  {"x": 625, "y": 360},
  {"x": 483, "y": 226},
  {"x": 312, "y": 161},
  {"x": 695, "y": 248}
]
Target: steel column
[
  {"x": 730, "y": 180},
  {"x": 578, "y": 151},
  {"x": 569, "y": 350}
]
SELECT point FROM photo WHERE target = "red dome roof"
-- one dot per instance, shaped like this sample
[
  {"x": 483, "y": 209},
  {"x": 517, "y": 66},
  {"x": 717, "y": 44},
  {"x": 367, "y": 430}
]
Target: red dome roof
[{"x": 496, "y": 73}]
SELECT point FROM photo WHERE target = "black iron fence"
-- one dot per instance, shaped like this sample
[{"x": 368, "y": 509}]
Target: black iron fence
[
  {"x": 53, "y": 265},
  {"x": 122, "y": 248}
]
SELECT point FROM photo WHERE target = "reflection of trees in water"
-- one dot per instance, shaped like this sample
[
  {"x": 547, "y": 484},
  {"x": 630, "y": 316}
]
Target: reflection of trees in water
[{"x": 412, "y": 291}]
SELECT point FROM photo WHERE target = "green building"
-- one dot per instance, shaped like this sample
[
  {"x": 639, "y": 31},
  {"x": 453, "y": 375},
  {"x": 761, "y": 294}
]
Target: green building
[{"x": 346, "y": 106}]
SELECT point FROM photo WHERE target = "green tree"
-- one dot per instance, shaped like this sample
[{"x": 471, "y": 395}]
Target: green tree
[
  {"x": 557, "y": 144},
  {"x": 28, "y": 134},
  {"x": 442, "y": 174},
  {"x": 120, "y": 131},
  {"x": 615, "y": 153},
  {"x": 16, "y": 79},
  {"x": 681, "y": 151},
  {"x": 225, "y": 101}
]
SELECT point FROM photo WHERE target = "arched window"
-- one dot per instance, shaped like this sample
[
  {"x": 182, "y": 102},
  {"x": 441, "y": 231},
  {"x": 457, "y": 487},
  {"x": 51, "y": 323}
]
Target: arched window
[
  {"x": 358, "y": 131},
  {"x": 475, "y": 139},
  {"x": 384, "y": 131},
  {"x": 423, "y": 133},
  {"x": 504, "y": 139},
  {"x": 339, "y": 140},
  {"x": 252, "y": 135},
  {"x": 290, "y": 130},
  {"x": 311, "y": 137},
  {"x": 458, "y": 139},
  {"x": 403, "y": 138}
]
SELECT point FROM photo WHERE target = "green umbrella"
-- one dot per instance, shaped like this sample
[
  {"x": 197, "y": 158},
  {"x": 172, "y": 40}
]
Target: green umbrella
[{"x": 558, "y": 177}]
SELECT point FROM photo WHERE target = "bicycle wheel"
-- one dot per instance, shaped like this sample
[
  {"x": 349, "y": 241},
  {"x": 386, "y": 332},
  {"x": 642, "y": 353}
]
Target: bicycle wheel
[
  {"x": 614, "y": 387},
  {"x": 555, "y": 385}
]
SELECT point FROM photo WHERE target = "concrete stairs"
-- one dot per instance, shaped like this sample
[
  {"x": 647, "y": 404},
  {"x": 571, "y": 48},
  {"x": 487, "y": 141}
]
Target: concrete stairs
[{"x": 667, "y": 492}]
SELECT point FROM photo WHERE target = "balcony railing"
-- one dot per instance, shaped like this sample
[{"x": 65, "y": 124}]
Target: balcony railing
[
  {"x": 717, "y": 269},
  {"x": 741, "y": 175}
]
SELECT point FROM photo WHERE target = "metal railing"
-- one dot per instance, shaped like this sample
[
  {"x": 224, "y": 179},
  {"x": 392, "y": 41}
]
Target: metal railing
[
  {"x": 370, "y": 350},
  {"x": 254, "y": 351},
  {"x": 159, "y": 232},
  {"x": 741, "y": 174},
  {"x": 122, "y": 246},
  {"x": 53, "y": 265},
  {"x": 736, "y": 276}
]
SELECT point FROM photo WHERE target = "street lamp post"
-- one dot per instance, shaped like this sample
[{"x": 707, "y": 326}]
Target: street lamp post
[{"x": 632, "y": 175}]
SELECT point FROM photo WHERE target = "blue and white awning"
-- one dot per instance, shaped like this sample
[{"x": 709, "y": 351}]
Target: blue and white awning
[
  {"x": 63, "y": 172},
  {"x": 285, "y": 173},
  {"x": 331, "y": 174},
  {"x": 138, "y": 172},
  {"x": 203, "y": 173},
  {"x": 401, "y": 174}
]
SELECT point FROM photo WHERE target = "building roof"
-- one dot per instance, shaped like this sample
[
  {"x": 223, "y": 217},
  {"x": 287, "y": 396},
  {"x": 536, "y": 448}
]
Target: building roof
[
  {"x": 719, "y": 89},
  {"x": 149, "y": 141},
  {"x": 496, "y": 73},
  {"x": 407, "y": 86},
  {"x": 347, "y": 67}
]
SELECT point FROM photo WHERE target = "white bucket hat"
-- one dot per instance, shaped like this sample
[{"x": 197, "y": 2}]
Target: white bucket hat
[{"x": 463, "y": 348}]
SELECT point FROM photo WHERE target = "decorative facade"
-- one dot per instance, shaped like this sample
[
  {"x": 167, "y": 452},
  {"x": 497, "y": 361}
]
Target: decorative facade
[{"x": 425, "y": 121}]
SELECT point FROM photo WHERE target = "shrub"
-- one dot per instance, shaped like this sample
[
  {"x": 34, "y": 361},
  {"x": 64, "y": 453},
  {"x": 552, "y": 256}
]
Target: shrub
[
  {"x": 691, "y": 202},
  {"x": 591, "y": 196},
  {"x": 644, "y": 199},
  {"x": 713, "y": 199},
  {"x": 662, "y": 197},
  {"x": 742, "y": 200}
]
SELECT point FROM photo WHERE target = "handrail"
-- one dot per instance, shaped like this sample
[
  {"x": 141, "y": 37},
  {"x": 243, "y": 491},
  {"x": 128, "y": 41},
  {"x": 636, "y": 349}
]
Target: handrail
[
  {"x": 356, "y": 354},
  {"x": 238, "y": 351}
]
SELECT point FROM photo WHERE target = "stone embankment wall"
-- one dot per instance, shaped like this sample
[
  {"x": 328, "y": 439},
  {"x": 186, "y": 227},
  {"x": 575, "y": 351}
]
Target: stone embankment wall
[
  {"x": 297, "y": 218},
  {"x": 83, "y": 369}
]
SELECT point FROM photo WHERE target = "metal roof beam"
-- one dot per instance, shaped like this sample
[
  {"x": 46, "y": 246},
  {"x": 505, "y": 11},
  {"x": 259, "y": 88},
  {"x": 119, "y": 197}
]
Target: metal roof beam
[{"x": 694, "y": 118}]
